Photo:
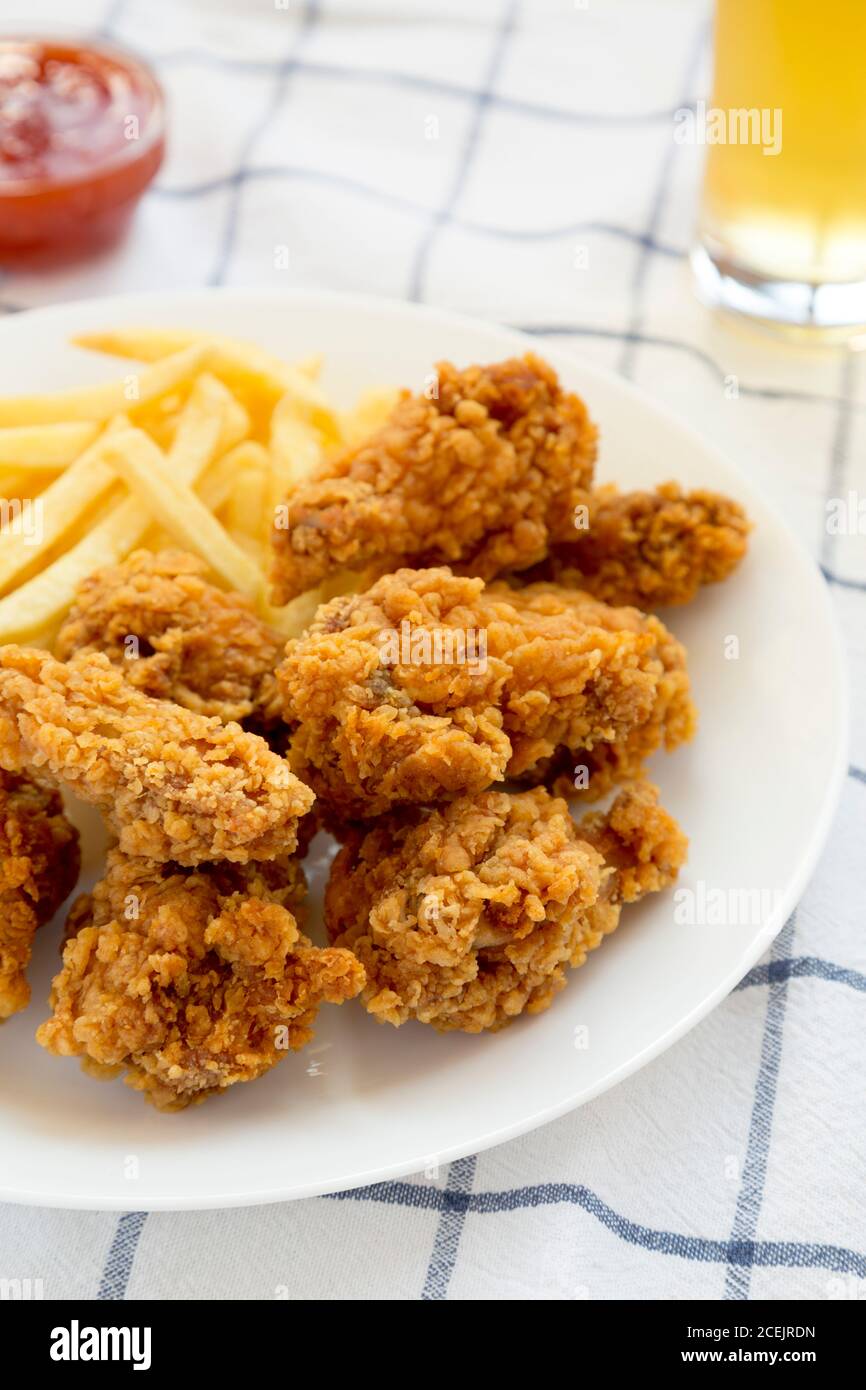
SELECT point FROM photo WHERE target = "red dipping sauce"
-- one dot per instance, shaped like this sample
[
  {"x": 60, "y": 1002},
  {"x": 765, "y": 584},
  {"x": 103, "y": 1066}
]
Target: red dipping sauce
[{"x": 82, "y": 134}]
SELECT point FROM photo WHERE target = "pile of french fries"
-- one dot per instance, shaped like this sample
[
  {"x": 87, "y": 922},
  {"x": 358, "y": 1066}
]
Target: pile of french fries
[{"x": 196, "y": 447}]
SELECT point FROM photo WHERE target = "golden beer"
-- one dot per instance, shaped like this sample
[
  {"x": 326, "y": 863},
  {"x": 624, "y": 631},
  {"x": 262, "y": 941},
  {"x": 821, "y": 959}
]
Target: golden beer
[{"x": 783, "y": 219}]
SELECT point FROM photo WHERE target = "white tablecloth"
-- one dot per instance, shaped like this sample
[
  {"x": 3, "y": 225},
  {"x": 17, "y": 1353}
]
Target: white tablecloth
[{"x": 517, "y": 161}]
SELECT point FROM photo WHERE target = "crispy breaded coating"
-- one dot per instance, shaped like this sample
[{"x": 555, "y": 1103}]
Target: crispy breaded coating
[
  {"x": 177, "y": 637},
  {"x": 651, "y": 549},
  {"x": 191, "y": 980},
  {"x": 172, "y": 784},
  {"x": 372, "y": 732},
  {"x": 39, "y": 863},
  {"x": 671, "y": 722},
  {"x": 476, "y": 476},
  {"x": 670, "y": 718},
  {"x": 639, "y": 841},
  {"x": 428, "y": 686},
  {"x": 466, "y": 916}
]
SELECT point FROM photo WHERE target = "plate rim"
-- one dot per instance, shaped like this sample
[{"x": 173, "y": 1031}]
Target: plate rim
[{"x": 159, "y": 302}]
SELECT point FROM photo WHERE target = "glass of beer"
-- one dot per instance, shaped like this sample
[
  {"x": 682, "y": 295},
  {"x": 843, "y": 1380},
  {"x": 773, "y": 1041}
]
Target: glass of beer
[{"x": 782, "y": 233}]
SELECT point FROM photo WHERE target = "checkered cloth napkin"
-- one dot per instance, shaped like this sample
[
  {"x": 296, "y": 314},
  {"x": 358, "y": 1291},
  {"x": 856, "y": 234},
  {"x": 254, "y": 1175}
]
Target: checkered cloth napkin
[{"x": 516, "y": 161}]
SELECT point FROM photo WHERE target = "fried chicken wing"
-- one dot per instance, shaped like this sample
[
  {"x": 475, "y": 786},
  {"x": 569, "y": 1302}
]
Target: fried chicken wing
[
  {"x": 466, "y": 916},
  {"x": 372, "y": 731},
  {"x": 475, "y": 476},
  {"x": 173, "y": 784},
  {"x": 428, "y": 686},
  {"x": 651, "y": 549},
  {"x": 670, "y": 718},
  {"x": 589, "y": 773},
  {"x": 191, "y": 980},
  {"x": 39, "y": 863},
  {"x": 177, "y": 637}
]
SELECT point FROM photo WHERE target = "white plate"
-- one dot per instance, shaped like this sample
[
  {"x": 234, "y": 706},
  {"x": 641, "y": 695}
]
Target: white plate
[{"x": 755, "y": 791}]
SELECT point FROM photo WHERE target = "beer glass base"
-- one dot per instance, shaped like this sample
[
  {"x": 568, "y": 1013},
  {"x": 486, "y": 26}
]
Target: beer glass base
[{"x": 830, "y": 312}]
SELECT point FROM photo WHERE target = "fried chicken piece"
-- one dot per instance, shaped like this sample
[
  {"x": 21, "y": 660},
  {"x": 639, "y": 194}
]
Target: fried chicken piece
[
  {"x": 466, "y": 916},
  {"x": 672, "y": 721},
  {"x": 651, "y": 549},
  {"x": 476, "y": 477},
  {"x": 372, "y": 732},
  {"x": 428, "y": 686},
  {"x": 177, "y": 637},
  {"x": 191, "y": 980},
  {"x": 173, "y": 784},
  {"x": 642, "y": 846},
  {"x": 39, "y": 863}
]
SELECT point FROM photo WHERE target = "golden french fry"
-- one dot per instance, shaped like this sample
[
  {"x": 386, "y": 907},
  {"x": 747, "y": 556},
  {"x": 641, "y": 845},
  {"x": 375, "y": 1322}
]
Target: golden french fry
[
  {"x": 210, "y": 420},
  {"x": 162, "y": 429},
  {"x": 293, "y": 618},
  {"x": 207, "y": 427},
  {"x": 45, "y": 598},
  {"x": 268, "y": 376},
  {"x": 311, "y": 366},
  {"x": 142, "y": 344},
  {"x": 45, "y": 447},
  {"x": 246, "y": 510},
  {"x": 60, "y": 507},
  {"x": 237, "y": 363},
  {"x": 216, "y": 487},
  {"x": 369, "y": 414},
  {"x": 161, "y": 417},
  {"x": 101, "y": 402},
  {"x": 148, "y": 474},
  {"x": 24, "y": 484},
  {"x": 252, "y": 548},
  {"x": 296, "y": 449},
  {"x": 250, "y": 454}
]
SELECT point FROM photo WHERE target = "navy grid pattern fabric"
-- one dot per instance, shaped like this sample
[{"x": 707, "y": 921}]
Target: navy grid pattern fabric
[{"x": 308, "y": 125}]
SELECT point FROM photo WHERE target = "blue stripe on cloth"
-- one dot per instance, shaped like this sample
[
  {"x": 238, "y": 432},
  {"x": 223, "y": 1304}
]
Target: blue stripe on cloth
[
  {"x": 113, "y": 16},
  {"x": 118, "y": 1265},
  {"x": 461, "y": 1175},
  {"x": 344, "y": 183},
  {"x": 443, "y": 214},
  {"x": 751, "y": 1193},
  {"x": 577, "y": 330},
  {"x": 831, "y": 578},
  {"x": 568, "y": 229},
  {"x": 799, "y": 967},
  {"x": 283, "y": 72},
  {"x": 456, "y": 1200},
  {"x": 551, "y": 330},
  {"x": 415, "y": 82},
  {"x": 636, "y": 315},
  {"x": 765, "y": 1253},
  {"x": 292, "y": 171},
  {"x": 857, "y": 772}
]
